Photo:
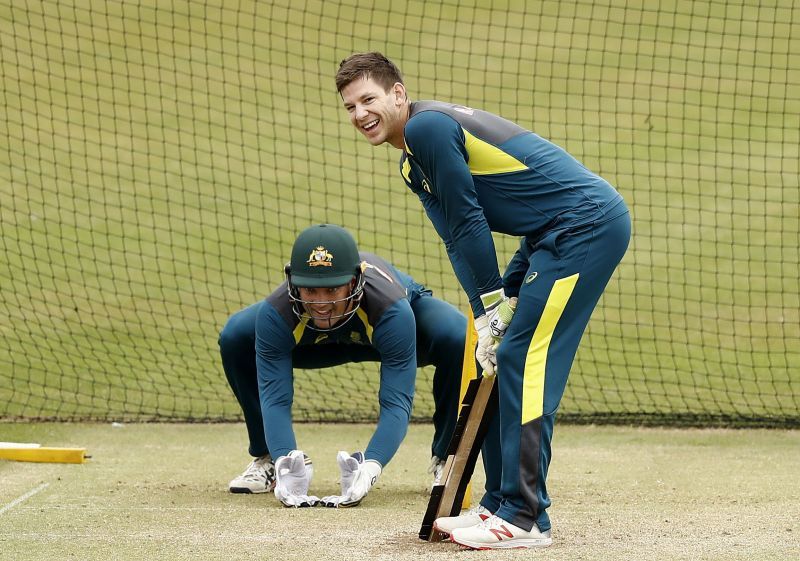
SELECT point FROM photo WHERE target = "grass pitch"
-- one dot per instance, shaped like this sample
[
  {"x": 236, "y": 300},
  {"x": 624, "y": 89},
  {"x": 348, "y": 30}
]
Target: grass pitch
[{"x": 158, "y": 491}]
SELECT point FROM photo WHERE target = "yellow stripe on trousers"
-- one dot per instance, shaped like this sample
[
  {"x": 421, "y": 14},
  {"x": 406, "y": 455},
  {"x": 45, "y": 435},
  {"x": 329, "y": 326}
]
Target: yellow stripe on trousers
[{"x": 536, "y": 359}]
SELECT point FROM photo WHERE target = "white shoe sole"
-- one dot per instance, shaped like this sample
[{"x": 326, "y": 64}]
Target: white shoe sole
[
  {"x": 246, "y": 491},
  {"x": 249, "y": 491},
  {"x": 519, "y": 543},
  {"x": 448, "y": 532}
]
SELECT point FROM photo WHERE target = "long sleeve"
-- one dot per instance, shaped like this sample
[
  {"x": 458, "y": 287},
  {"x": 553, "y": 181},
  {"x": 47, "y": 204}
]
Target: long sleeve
[
  {"x": 436, "y": 142},
  {"x": 464, "y": 275},
  {"x": 274, "y": 344},
  {"x": 515, "y": 271},
  {"x": 395, "y": 339}
]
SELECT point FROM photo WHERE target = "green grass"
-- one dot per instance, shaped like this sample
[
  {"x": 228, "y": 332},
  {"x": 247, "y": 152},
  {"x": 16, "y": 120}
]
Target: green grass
[
  {"x": 158, "y": 162},
  {"x": 158, "y": 491}
]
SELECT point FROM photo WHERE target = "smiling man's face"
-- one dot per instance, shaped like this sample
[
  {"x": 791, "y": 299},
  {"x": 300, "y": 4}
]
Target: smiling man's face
[
  {"x": 327, "y": 306},
  {"x": 379, "y": 115}
]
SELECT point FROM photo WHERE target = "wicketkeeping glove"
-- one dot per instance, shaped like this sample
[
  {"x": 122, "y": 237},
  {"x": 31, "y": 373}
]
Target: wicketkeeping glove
[
  {"x": 293, "y": 474},
  {"x": 358, "y": 477}
]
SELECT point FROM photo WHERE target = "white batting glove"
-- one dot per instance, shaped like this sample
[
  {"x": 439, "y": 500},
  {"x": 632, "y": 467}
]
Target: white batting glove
[
  {"x": 293, "y": 474},
  {"x": 358, "y": 477},
  {"x": 492, "y": 327},
  {"x": 500, "y": 318},
  {"x": 485, "y": 352},
  {"x": 499, "y": 311}
]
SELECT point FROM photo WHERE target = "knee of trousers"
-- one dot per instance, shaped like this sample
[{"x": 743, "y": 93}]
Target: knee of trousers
[
  {"x": 228, "y": 338},
  {"x": 235, "y": 338},
  {"x": 447, "y": 344}
]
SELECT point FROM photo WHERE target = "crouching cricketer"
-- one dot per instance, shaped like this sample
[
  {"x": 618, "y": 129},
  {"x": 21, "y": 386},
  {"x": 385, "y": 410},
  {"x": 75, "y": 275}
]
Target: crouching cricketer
[{"x": 337, "y": 306}]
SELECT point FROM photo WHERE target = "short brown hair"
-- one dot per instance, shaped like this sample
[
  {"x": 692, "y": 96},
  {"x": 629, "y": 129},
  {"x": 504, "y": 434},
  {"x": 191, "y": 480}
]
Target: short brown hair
[{"x": 368, "y": 65}]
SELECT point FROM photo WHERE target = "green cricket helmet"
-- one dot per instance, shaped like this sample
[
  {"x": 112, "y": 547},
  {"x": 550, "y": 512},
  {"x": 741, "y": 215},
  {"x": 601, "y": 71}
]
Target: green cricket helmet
[{"x": 324, "y": 256}]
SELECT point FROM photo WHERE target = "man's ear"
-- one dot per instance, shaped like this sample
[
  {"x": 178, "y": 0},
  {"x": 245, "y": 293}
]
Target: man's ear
[{"x": 400, "y": 94}]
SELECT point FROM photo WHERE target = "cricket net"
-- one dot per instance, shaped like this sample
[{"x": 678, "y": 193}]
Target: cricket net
[{"x": 158, "y": 158}]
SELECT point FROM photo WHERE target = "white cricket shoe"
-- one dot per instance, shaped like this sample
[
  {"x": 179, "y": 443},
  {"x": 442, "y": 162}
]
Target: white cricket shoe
[
  {"x": 437, "y": 469},
  {"x": 473, "y": 516},
  {"x": 259, "y": 477},
  {"x": 496, "y": 533}
]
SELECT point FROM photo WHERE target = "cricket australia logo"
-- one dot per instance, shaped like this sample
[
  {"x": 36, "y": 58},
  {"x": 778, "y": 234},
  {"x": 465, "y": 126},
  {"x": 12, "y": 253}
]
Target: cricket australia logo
[{"x": 320, "y": 258}]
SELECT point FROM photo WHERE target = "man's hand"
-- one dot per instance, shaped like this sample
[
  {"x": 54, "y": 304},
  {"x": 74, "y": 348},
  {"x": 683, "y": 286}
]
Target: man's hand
[
  {"x": 500, "y": 319},
  {"x": 358, "y": 477},
  {"x": 492, "y": 326},
  {"x": 293, "y": 474}
]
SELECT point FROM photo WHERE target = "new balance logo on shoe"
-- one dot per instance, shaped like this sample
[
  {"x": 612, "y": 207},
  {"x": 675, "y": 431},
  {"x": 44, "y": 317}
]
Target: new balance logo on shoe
[{"x": 500, "y": 532}]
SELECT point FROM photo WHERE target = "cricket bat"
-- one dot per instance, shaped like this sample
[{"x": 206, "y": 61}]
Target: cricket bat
[{"x": 477, "y": 409}]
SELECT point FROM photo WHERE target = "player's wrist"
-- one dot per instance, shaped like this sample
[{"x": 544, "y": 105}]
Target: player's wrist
[{"x": 491, "y": 300}]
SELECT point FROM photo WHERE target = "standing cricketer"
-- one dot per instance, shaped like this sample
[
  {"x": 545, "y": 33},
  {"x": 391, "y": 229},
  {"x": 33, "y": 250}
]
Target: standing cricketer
[
  {"x": 475, "y": 174},
  {"x": 338, "y": 306}
]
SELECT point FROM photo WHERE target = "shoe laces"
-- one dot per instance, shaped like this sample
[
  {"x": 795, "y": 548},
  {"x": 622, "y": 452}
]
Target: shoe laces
[
  {"x": 260, "y": 469},
  {"x": 479, "y": 510},
  {"x": 493, "y": 522}
]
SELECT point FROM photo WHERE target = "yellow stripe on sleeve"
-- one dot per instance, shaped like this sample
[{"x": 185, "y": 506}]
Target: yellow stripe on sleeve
[
  {"x": 406, "y": 171},
  {"x": 536, "y": 359},
  {"x": 299, "y": 330},
  {"x": 363, "y": 315},
  {"x": 487, "y": 159}
]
